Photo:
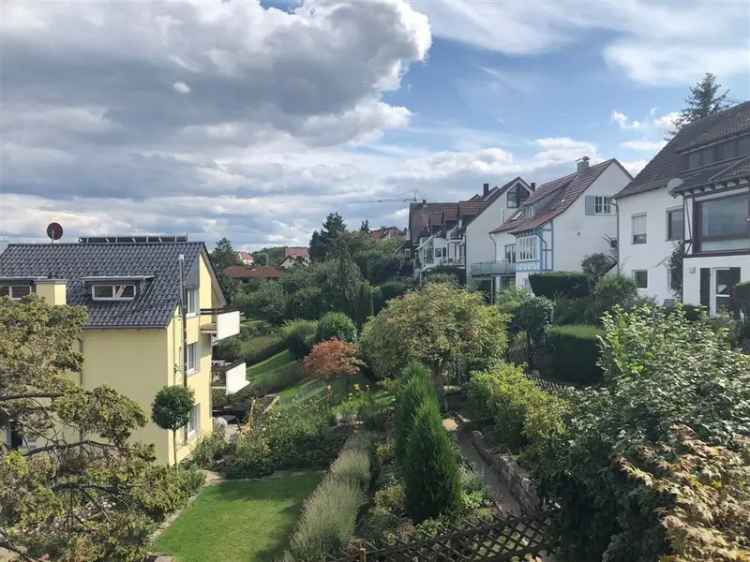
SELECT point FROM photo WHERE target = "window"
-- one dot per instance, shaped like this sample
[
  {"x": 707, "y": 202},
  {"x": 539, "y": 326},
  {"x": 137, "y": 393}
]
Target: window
[
  {"x": 194, "y": 423},
  {"x": 640, "y": 276},
  {"x": 114, "y": 292},
  {"x": 438, "y": 252},
  {"x": 527, "y": 248},
  {"x": 516, "y": 196},
  {"x": 599, "y": 205},
  {"x": 15, "y": 292},
  {"x": 192, "y": 358},
  {"x": 191, "y": 301},
  {"x": 639, "y": 229},
  {"x": 726, "y": 280},
  {"x": 723, "y": 225},
  {"x": 675, "y": 224},
  {"x": 510, "y": 253}
]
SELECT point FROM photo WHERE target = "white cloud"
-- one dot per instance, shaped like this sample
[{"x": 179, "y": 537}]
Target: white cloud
[
  {"x": 181, "y": 87},
  {"x": 649, "y": 146},
  {"x": 624, "y": 123},
  {"x": 668, "y": 42},
  {"x": 634, "y": 166}
]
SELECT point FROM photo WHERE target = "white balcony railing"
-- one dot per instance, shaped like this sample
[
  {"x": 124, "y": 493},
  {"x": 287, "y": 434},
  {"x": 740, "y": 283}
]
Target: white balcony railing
[{"x": 225, "y": 323}]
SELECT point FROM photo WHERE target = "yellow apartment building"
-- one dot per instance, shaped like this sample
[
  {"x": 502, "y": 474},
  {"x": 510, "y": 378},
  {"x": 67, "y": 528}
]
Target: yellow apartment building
[{"x": 155, "y": 310}]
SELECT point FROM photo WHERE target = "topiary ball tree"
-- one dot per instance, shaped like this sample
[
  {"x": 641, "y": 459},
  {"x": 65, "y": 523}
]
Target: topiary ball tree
[
  {"x": 432, "y": 482},
  {"x": 417, "y": 389},
  {"x": 336, "y": 325},
  {"x": 171, "y": 410}
]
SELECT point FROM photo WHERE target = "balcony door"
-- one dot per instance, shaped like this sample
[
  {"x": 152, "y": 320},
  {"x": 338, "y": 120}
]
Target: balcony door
[{"x": 721, "y": 282}]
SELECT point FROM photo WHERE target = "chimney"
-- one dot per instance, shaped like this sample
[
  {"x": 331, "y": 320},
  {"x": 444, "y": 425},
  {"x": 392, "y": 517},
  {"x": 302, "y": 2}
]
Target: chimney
[
  {"x": 533, "y": 186},
  {"x": 583, "y": 164},
  {"x": 54, "y": 291},
  {"x": 486, "y": 190}
]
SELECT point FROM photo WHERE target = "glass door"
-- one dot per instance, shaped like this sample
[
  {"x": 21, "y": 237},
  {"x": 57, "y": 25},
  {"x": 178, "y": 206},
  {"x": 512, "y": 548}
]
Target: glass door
[{"x": 723, "y": 283}]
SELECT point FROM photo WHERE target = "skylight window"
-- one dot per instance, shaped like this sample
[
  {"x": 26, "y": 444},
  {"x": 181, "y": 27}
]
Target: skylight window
[{"x": 113, "y": 292}]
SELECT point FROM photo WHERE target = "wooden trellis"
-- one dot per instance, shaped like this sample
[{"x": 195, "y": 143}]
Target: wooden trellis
[{"x": 507, "y": 539}]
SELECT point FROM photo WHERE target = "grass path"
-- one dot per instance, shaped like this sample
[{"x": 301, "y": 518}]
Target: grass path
[{"x": 239, "y": 521}]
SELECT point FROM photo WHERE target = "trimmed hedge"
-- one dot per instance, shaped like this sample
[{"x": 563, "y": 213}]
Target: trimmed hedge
[
  {"x": 573, "y": 352},
  {"x": 336, "y": 325},
  {"x": 300, "y": 336},
  {"x": 555, "y": 284}
]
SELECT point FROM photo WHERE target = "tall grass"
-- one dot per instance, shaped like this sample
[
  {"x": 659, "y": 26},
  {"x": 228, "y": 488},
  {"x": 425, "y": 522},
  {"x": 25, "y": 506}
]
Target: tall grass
[{"x": 330, "y": 513}]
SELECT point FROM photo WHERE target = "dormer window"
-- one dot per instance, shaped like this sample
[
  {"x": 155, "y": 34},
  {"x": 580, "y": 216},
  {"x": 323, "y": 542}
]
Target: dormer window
[
  {"x": 113, "y": 292},
  {"x": 15, "y": 292}
]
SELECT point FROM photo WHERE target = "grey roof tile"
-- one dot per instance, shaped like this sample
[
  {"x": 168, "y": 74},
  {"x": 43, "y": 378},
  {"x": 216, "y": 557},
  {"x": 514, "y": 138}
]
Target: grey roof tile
[{"x": 152, "y": 306}]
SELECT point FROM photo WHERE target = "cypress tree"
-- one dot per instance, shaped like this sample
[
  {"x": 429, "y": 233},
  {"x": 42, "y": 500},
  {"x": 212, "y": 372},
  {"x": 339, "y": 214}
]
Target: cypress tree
[
  {"x": 432, "y": 483},
  {"x": 416, "y": 390}
]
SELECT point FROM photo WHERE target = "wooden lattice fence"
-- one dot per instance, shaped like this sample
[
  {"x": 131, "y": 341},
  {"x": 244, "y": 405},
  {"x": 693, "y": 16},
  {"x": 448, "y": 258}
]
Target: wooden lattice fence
[{"x": 502, "y": 539}]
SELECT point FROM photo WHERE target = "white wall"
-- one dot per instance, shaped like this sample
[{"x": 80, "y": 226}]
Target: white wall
[
  {"x": 691, "y": 279},
  {"x": 479, "y": 245},
  {"x": 577, "y": 235},
  {"x": 236, "y": 378},
  {"x": 654, "y": 255}
]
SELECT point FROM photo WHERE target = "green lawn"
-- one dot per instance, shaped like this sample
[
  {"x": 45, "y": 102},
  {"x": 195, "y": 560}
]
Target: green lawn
[
  {"x": 240, "y": 521},
  {"x": 340, "y": 387}
]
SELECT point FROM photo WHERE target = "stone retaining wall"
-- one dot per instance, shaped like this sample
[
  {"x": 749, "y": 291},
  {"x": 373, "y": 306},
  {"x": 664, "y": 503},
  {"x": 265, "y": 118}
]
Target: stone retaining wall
[{"x": 510, "y": 473}]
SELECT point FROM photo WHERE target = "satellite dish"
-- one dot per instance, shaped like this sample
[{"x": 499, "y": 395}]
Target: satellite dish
[
  {"x": 54, "y": 231},
  {"x": 673, "y": 184}
]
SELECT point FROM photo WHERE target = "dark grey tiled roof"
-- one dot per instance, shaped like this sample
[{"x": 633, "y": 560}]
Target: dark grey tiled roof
[
  {"x": 669, "y": 162},
  {"x": 156, "y": 298}
]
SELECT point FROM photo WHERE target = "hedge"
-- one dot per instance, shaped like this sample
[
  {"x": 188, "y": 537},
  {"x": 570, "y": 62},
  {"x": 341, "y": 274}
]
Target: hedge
[
  {"x": 555, "y": 284},
  {"x": 742, "y": 297},
  {"x": 573, "y": 353}
]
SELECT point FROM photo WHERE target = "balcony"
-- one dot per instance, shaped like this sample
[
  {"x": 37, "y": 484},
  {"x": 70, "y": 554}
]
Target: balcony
[
  {"x": 492, "y": 268},
  {"x": 224, "y": 323}
]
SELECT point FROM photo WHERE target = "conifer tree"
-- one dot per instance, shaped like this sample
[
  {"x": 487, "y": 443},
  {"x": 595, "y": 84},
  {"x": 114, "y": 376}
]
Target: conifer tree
[{"x": 704, "y": 99}]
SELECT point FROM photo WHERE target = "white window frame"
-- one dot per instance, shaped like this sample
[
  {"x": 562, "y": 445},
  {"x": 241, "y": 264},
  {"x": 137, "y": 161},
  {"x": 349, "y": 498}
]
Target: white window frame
[
  {"x": 12, "y": 289},
  {"x": 116, "y": 290},
  {"x": 633, "y": 233},
  {"x": 191, "y": 301},
  {"x": 602, "y": 205},
  {"x": 194, "y": 423},
  {"x": 635, "y": 277},
  {"x": 192, "y": 358},
  {"x": 667, "y": 215}
]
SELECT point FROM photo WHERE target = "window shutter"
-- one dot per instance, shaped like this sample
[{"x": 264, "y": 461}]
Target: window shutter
[{"x": 590, "y": 205}]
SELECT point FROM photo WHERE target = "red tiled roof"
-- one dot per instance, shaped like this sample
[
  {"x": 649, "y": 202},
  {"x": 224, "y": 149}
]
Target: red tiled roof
[
  {"x": 259, "y": 272},
  {"x": 296, "y": 252}
]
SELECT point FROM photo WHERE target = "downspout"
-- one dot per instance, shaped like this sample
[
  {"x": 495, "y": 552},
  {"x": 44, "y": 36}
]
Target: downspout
[
  {"x": 617, "y": 231},
  {"x": 540, "y": 234},
  {"x": 183, "y": 314}
]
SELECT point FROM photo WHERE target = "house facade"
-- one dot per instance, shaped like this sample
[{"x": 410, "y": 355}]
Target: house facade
[
  {"x": 294, "y": 256},
  {"x": 246, "y": 258},
  {"x": 142, "y": 332},
  {"x": 481, "y": 251},
  {"x": 561, "y": 223},
  {"x": 696, "y": 191}
]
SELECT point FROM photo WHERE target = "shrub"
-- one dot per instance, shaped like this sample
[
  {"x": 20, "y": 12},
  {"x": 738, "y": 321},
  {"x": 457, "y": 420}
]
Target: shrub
[
  {"x": 597, "y": 266},
  {"x": 336, "y": 325},
  {"x": 389, "y": 290},
  {"x": 560, "y": 284},
  {"x": 268, "y": 302},
  {"x": 299, "y": 336},
  {"x": 306, "y": 303},
  {"x": 417, "y": 389},
  {"x": 329, "y": 517},
  {"x": 229, "y": 349},
  {"x": 260, "y": 348},
  {"x": 209, "y": 450},
  {"x": 524, "y": 415},
  {"x": 391, "y": 498},
  {"x": 218, "y": 398},
  {"x": 431, "y": 478},
  {"x": 365, "y": 306},
  {"x": 742, "y": 298},
  {"x": 573, "y": 311},
  {"x": 437, "y": 326},
  {"x": 277, "y": 380},
  {"x": 613, "y": 290},
  {"x": 573, "y": 352},
  {"x": 332, "y": 358},
  {"x": 652, "y": 462}
]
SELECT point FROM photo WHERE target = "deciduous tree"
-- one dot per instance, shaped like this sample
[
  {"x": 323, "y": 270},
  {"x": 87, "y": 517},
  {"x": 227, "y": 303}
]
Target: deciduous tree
[
  {"x": 332, "y": 358},
  {"x": 79, "y": 490}
]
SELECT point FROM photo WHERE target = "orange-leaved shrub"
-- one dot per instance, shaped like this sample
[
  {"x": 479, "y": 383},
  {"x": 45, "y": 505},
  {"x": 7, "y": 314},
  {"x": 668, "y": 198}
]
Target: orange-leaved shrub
[{"x": 332, "y": 358}]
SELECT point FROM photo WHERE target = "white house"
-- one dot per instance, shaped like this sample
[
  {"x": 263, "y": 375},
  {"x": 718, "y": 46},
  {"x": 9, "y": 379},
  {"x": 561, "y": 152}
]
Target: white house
[
  {"x": 480, "y": 246},
  {"x": 695, "y": 189},
  {"x": 561, "y": 223},
  {"x": 712, "y": 157},
  {"x": 294, "y": 256},
  {"x": 437, "y": 230}
]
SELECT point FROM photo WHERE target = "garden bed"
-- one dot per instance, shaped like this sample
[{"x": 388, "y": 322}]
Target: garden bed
[{"x": 239, "y": 521}]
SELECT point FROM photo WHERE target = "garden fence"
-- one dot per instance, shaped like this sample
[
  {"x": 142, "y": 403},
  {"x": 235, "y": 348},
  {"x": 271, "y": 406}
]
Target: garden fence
[{"x": 502, "y": 539}]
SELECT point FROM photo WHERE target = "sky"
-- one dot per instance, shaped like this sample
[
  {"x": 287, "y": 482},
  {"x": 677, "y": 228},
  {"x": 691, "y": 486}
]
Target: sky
[{"x": 254, "y": 119}]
